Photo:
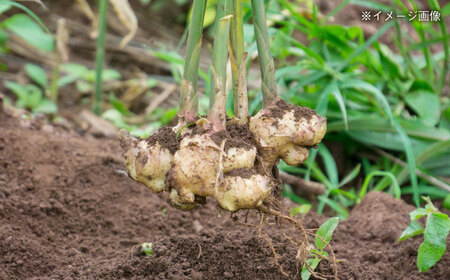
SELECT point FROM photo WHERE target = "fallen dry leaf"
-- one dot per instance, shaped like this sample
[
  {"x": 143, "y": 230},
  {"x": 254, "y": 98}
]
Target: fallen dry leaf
[{"x": 127, "y": 18}]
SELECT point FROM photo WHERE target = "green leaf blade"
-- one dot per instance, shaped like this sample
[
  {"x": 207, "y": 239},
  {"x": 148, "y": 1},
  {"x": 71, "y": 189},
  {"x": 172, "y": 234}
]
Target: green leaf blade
[
  {"x": 37, "y": 74},
  {"x": 426, "y": 105},
  {"x": 434, "y": 245},
  {"x": 18, "y": 89},
  {"x": 350, "y": 176},
  {"x": 28, "y": 30},
  {"x": 326, "y": 232},
  {"x": 413, "y": 229},
  {"x": 46, "y": 107},
  {"x": 418, "y": 213},
  {"x": 313, "y": 263},
  {"x": 428, "y": 254}
]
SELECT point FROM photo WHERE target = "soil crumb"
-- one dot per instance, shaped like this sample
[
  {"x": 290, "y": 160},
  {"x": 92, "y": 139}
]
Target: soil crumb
[
  {"x": 278, "y": 110},
  {"x": 238, "y": 136},
  {"x": 68, "y": 212},
  {"x": 167, "y": 138},
  {"x": 241, "y": 172}
]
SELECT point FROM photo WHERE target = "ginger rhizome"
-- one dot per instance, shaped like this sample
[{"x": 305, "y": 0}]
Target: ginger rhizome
[{"x": 232, "y": 161}]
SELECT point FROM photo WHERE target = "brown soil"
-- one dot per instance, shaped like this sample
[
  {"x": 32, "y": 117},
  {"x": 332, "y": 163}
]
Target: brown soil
[
  {"x": 166, "y": 138},
  {"x": 238, "y": 136},
  {"x": 278, "y": 110},
  {"x": 241, "y": 172},
  {"x": 68, "y": 212}
]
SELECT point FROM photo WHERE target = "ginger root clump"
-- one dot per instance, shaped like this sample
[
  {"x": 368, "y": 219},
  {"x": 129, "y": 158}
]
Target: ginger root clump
[{"x": 208, "y": 163}]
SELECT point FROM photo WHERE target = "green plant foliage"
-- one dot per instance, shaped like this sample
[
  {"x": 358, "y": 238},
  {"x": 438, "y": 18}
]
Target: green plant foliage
[
  {"x": 435, "y": 234},
  {"x": 119, "y": 105},
  {"x": 27, "y": 29},
  {"x": 323, "y": 237},
  {"x": 3, "y": 39},
  {"x": 147, "y": 249},
  {"x": 181, "y": 129},
  {"x": 426, "y": 104},
  {"x": 37, "y": 74},
  {"x": 84, "y": 77},
  {"x": 31, "y": 97},
  {"x": 447, "y": 202},
  {"x": 395, "y": 187},
  {"x": 302, "y": 210},
  {"x": 165, "y": 116},
  {"x": 119, "y": 119},
  {"x": 4, "y": 7},
  {"x": 88, "y": 75},
  {"x": 413, "y": 229},
  {"x": 7, "y": 4},
  {"x": 326, "y": 232}
]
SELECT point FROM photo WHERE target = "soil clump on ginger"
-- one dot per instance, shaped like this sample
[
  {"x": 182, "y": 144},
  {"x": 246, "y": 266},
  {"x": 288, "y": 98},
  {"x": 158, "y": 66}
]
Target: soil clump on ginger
[
  {"x": 241, "y": 172},
  {"x": 238, "y": 136},
  {"x": 278, "y": 110},
  {"x": 167, "y": 138}
]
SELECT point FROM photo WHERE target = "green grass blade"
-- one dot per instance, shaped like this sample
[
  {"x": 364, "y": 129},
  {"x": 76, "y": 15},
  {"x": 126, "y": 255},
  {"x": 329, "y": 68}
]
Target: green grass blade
[
  {"x": 366, "y": 87},
  {"x": 350, "y": 176},
  {"x": 426, "y": 50},
  {"x": 343, "y": 213},
  {"x": 321, "y": 109},
  {"x": 366, "y": 182},
  {"x": 376, "y": 123},
  {"x": 349, "y": 195},
  {"x": 100, "y": 55},
  {"x": 340, "y": 100},
  {"x": 362, "y": 48},
  {"x": 336, "y": 10},
  {"x": 330, "y": 164},
  {"x": 291, "y": 169},
  {"x": 431, "y": 151},
  {"x": 432, "y": 192},
  {"x": 319, "y": 176},
  {"x": 431, "y": 41},
  {"x": 406, "y": 54},
  {"x": 304, "y": 48},
  {"x": 442, "y": 24},
  {"x": 372, "y": 5},
  {"x": 295, "y": 14}
]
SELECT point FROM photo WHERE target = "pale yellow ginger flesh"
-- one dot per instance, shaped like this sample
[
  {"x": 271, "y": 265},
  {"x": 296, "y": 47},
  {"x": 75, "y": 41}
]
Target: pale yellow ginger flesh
[{"x": 202, "y": 167}]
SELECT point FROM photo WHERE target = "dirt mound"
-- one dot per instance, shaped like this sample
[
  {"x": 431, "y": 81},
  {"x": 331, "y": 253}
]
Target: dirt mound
[
  {"x": 367, "y": 241},
  {"x": 67, "y": 211},
  {"x": 377, "y": 217}
]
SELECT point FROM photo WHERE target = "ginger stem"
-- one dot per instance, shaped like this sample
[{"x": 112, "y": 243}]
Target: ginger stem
[
  {"x": 188, "y": 96},
  {"x": 237, "y": 58},
  {"x": 218, "y": 73},
  {"x": 267, "y": 66}
]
